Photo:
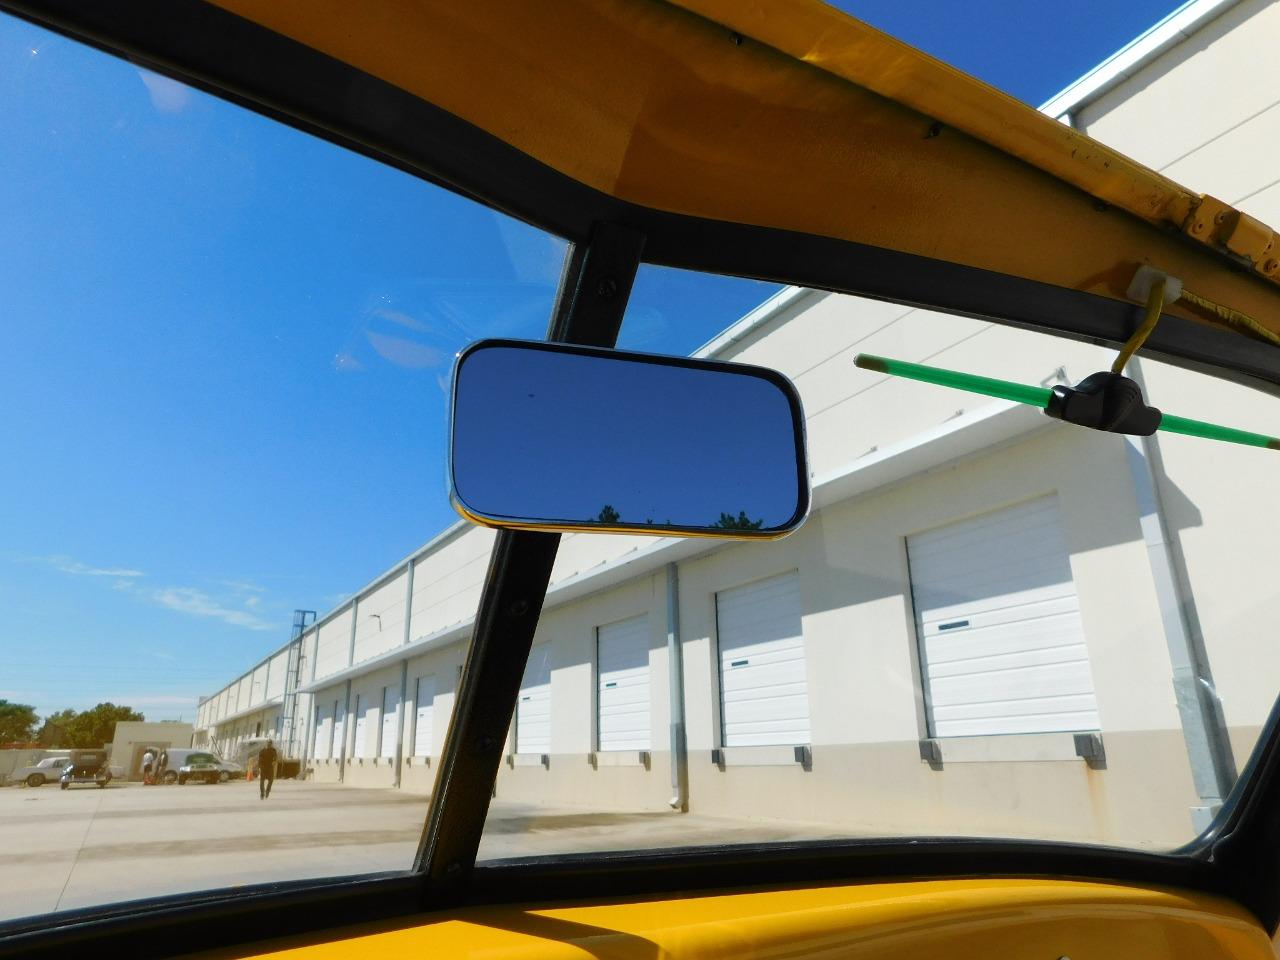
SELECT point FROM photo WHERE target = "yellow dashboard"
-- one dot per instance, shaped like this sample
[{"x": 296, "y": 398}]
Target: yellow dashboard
[{"x": 955, "y": 919}]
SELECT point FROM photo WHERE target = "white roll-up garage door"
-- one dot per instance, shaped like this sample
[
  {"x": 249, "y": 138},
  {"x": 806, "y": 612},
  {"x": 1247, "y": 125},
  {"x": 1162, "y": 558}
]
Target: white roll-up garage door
[
  {"x": 358, "y": 745},
  {"x": 337, "y": 742},
  {"x": 424, "y": 702},
  {"x": 623, "y": 697},
  {"x": 323, "y": 733},
  {"x": 764, "y": 691},
  {"x": 533, "y": 709},
  {"x": 390, "y": 717},
  {"x": 1002, "y": 645}
]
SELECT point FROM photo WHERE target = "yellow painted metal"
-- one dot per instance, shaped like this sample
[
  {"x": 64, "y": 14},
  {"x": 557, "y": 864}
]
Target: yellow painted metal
[
  {"x": 985, "y": 919},
  {"x": 784, "y": 114}
]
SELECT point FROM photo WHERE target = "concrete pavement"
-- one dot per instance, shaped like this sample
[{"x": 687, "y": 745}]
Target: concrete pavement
[{"x": 65, "y": 849}]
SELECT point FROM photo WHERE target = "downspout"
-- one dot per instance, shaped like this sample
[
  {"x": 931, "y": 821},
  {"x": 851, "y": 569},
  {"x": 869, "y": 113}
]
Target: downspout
[
  {"x": 348, "y": 725},
  {"x": 1204, "y": 728},
  {"x": 404, "y": 670},
  {"x": 675, "y": 675}
]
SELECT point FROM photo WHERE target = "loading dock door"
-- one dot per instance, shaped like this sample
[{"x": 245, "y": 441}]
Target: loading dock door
[
  {"x": 998, "y": 621},
  {"x": 390, "y": 717},
  {"x": 424, "y": 703},
  {"x": 321, "y": 749},
  {"x": 337, "y": 744},
  {"x": 533, "y": 710},
  {"x": 362, "y": 724},
  {"x": 764, "y": 690},
  {"x": 622, "y": 658}
]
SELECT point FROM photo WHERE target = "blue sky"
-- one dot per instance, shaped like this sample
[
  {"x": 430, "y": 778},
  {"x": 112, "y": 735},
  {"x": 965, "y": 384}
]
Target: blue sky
[{"x": 222, "y": 386}]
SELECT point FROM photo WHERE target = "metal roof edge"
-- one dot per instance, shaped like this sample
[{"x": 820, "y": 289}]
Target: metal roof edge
[
  {"x": 753, "y": 320},
  {"x": 1135, "y": 55}
]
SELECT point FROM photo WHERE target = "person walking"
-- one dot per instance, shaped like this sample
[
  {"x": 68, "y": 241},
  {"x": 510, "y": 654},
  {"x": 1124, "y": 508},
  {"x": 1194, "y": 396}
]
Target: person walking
[
  {"x": 267, "y": 760},
  {"x": 148, "y": 761}
]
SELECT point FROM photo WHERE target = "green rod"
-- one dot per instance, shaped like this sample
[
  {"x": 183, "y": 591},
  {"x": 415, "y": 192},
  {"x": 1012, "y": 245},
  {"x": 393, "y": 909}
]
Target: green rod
[
  {"x": 1212, "y": 431},
  {"x": 1004, "y": 389},
  {"x": 1039, "y": 397}
]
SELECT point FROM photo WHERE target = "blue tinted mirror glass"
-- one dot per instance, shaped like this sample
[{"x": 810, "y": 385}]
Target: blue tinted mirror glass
[{"x": 557, "y": 437}]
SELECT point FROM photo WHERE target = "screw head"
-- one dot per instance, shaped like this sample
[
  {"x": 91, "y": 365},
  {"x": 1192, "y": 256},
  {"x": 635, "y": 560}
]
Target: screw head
[
  {"x": 1220, "y": 217},
  {"x": 519, "y": 608},
  {"x": 607, "y": 288},
  {"x": 1271, "y": 266},
  {"x": 1198, "y": 227}
]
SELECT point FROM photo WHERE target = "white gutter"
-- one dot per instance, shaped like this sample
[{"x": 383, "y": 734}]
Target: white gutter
[
  {"x": 757, "y": 318},
  {"x": 1133, "y": 56}
]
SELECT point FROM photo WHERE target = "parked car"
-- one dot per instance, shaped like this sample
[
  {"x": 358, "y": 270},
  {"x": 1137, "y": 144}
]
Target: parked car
[
  {"x": 38, "y": 774},
  {"x": 204, "y": 767},
  {"x": 86, "y": 766},
  {"x": 230, "y": 770},
  {"x": 181, "y": 757}
]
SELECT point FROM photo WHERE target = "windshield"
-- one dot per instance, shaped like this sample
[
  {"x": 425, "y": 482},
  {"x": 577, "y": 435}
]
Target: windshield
[
  {"x": 227, "y": 348},
  {"x": 992, "y": 623},
  {"x": 226, "y": 391}
]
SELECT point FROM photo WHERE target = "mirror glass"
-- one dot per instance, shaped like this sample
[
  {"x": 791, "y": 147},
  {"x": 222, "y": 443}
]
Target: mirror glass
[{"x": 548, "y": 436}]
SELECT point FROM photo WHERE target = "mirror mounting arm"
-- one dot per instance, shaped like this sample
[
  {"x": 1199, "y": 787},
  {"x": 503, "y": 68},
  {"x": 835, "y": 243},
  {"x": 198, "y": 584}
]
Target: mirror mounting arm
[
  {"x": 596, "y": 285},
  {"x": 590, "y": 303}
]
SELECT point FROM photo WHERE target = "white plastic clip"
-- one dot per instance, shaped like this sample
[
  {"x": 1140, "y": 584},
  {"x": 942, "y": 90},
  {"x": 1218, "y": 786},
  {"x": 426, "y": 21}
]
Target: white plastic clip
[{"x": 1145, "y": 278}]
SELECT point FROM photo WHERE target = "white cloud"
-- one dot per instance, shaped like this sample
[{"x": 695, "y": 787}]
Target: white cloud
[
  {"x": 403, "y": 352},
  {"x": 346, "y": 363},
  {"x": 200, "y": 604},
  {"x": 402, "y": 318},
  {"x": 242, "y": 586},
  {"x": 182, "y": 599},
  {"x": 66, "y": 564},
  {"x": 167, "y": 96}
]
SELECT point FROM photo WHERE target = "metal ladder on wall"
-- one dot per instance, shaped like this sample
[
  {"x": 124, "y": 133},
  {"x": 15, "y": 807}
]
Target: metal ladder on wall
[{"x": 289, "y": 729}]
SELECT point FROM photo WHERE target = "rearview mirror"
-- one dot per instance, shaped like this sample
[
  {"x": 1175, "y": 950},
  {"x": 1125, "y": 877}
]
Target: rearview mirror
[{"x": 546, "y": 436}]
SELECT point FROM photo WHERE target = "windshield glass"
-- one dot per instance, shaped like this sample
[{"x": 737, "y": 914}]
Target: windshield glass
[
  {"x": 226, "y": 351},
  {"x": 992, "y": 624}
]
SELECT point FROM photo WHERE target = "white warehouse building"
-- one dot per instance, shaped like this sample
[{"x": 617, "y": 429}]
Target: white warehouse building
[{"x": 843, "y": 676}]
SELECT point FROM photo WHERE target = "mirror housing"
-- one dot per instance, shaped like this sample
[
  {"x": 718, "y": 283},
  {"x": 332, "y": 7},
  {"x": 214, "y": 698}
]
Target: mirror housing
[{"x": 549, "y": 436}]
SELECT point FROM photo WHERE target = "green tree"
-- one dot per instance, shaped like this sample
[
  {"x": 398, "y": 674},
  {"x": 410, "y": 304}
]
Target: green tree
[
  {"x": 728, "y": 521},
  {"x": 97, "y": 726},
  {"x": 608, "y": 515},
  {"x": 17, "y": 722},
  {"x": 54, "y": 729}
]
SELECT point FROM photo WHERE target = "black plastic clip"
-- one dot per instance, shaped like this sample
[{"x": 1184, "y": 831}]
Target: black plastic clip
[{"x": 1105, "y": 401}]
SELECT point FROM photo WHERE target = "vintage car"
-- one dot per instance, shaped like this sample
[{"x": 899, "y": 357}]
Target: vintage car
[
  {"x": 41, "y": 772},
  {"x": 86, "y": 767}
]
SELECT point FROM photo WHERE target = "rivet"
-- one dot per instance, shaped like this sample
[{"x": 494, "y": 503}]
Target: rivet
[
  {"x": 519, "y": 608},
  {"x": 607, "y": 288},
  {"x": 1221, "y": 217},
  {"x": 1198, "y": 227},
  {"x": 1271, "y": 266}
]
